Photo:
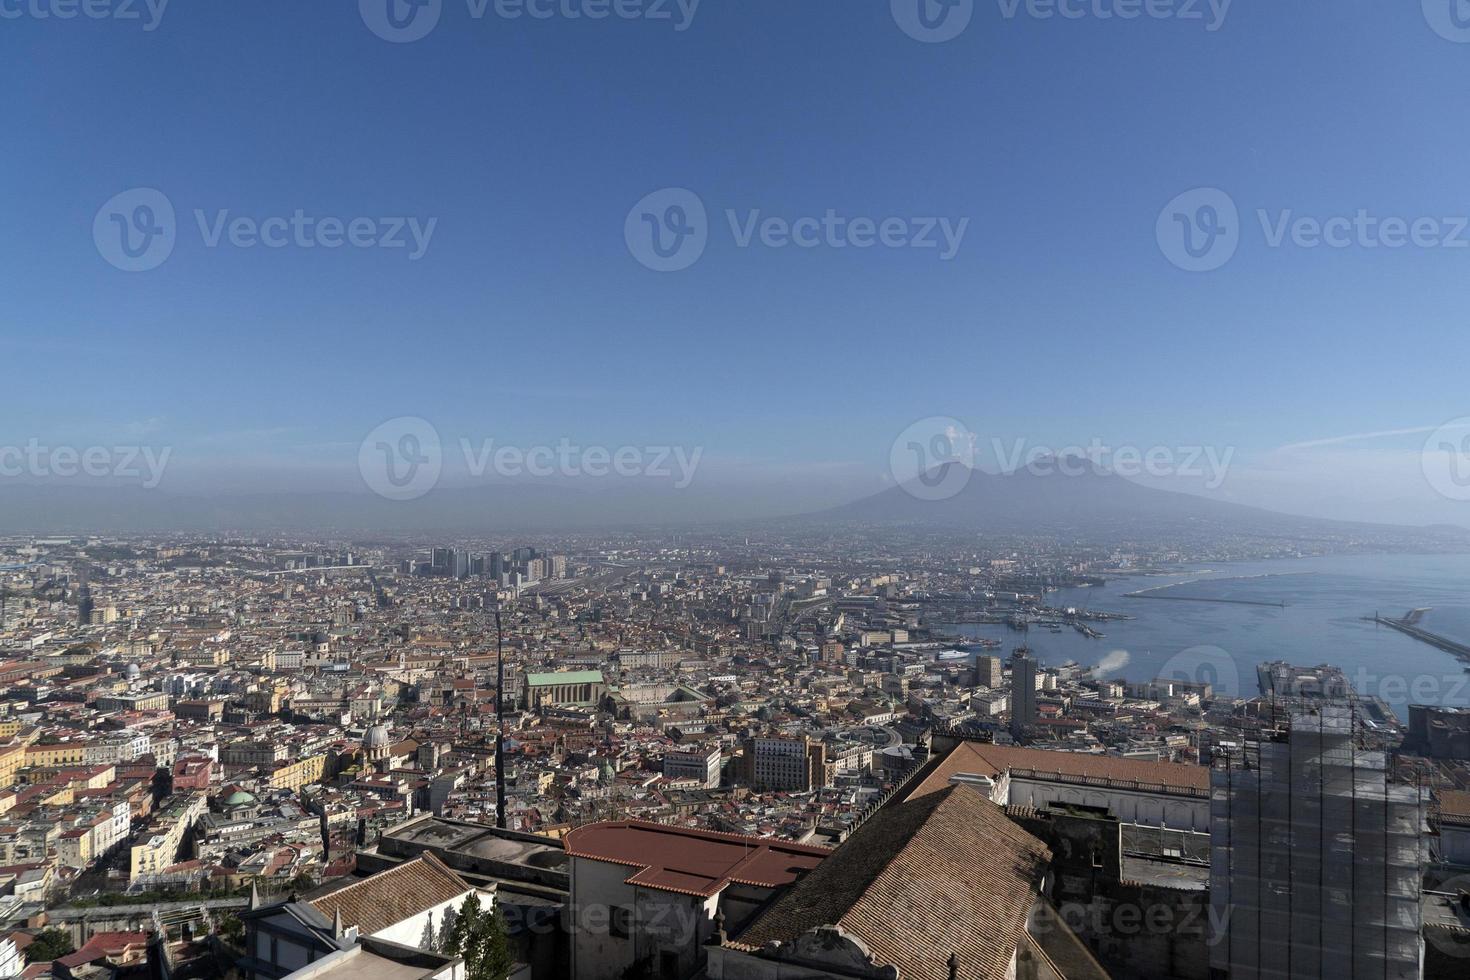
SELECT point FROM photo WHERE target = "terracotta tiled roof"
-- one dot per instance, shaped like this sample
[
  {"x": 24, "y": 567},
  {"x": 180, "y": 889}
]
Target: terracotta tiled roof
[
  {"x": 943, "y": 873},
  {"x": 1058, "y": 947},
  {"x": 1454, "y": 806},
  {"x": 105, "y": 944},
  {"x": 692, "y": 862},
  {"x": 373, "y": 904},
  {"x": 986, "y": 759}
]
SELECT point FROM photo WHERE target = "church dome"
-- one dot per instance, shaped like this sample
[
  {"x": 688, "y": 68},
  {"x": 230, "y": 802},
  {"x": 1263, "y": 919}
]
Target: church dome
[{"x": 375, "y": 737}]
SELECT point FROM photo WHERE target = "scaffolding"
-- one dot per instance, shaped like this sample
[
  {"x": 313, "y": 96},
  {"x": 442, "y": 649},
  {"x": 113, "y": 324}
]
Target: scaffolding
[{"x": 1316, "y": 854}]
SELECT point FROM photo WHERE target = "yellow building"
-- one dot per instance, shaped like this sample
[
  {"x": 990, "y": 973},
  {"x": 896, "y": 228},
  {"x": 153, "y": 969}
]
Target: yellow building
[
  {"x": 302, "y": 772},
  {"x": 12, "y": 757},
  {"x": 52, "y": 754},
  {"x": 161, "y": 847}
]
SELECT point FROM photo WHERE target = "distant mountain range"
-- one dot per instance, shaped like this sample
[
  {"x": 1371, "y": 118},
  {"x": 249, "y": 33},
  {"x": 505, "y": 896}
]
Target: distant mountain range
[
  {"x": 1091, "y": 499},
  {"x": 1094, "y": 501},
  {"x": 1026, "y": 498}
]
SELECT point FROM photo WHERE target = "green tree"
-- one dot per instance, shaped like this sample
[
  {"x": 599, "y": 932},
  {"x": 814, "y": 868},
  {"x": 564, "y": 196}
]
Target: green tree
[
  {"x": 49, "y": 945},
  {"x": 480, "y": 936},
  {"x": 231, "y": 928}
]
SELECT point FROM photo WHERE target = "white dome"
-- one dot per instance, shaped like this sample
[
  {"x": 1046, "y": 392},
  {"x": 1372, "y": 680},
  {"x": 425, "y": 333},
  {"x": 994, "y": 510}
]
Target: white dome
[{"x": 375, "y": 737}]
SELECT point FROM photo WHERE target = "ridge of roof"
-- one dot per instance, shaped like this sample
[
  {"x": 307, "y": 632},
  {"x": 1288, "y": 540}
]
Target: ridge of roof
[
  {"x": 947, "y": 867},
  {"x": 378, "y": 907}
]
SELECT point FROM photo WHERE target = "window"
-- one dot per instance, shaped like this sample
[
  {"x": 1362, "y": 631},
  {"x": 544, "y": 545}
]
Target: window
[{"x": 620, "y": 925}]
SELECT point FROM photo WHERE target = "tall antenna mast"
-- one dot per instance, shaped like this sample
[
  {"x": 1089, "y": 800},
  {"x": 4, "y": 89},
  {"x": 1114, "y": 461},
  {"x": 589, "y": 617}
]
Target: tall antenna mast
[{"x": 499, "y": 722}]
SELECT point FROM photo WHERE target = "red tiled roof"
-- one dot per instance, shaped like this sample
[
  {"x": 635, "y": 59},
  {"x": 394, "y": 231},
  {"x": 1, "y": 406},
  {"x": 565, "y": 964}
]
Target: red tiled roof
[
  {"x": 1454, "y": 806},
  {"x": 692, "y": 862},
  {"x": 986, "y": 759},
  {"x": 377, "y": 902},
  {"x": 104, "y": 944},
  {"x": 944, "y": 873}
]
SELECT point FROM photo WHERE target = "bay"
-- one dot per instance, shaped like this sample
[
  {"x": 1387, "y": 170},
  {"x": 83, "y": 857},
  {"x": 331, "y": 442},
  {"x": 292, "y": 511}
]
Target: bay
[{"x": 1322, "y": 621}]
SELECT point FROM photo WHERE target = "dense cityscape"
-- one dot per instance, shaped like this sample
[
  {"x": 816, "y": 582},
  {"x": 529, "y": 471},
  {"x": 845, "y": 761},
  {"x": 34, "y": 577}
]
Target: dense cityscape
[
  {"x": 208, "y": 737},
  {"x": 745, "y": 490}
]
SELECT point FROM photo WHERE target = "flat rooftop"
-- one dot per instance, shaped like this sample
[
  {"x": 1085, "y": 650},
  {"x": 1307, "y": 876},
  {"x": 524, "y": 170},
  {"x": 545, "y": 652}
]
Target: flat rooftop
[
  {"x": 370, "y": 967},
  {"x": 377, "y": 959},
  {"x": 476, "y": 840},
  {"x": 692, "y": 862}
]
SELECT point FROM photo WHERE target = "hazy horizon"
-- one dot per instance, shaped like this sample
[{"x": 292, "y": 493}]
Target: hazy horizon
[{"x": 778, "y": 239}]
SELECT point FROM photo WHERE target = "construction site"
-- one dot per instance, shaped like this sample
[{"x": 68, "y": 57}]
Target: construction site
[{"x": 1317, "y": 852}]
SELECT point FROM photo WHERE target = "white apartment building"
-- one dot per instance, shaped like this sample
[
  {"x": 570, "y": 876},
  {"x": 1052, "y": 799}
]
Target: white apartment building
[{"x": 701, "y": 764}]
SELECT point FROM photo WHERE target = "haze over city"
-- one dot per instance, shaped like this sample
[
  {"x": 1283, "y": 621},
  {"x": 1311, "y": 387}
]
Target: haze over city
[
  {"x": 504, "y": 155},
  {"x": 713, "y": 490}
]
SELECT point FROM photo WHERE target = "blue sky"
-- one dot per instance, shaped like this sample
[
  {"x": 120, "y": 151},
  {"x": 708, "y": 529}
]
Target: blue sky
[{"x": 527, "y": 320}]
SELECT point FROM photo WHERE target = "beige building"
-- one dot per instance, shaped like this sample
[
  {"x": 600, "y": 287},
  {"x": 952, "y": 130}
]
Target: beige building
[
  {"x": 786, "y": 764},
  {"x": 160, "y": 848},
  {"x": 302, "y": 772}
]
